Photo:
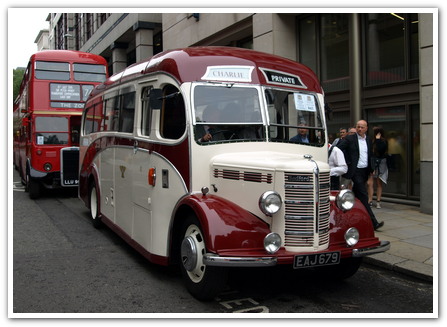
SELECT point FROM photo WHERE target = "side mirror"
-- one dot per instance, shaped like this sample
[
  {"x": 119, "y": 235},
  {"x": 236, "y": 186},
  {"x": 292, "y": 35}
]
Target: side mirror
[{"x": 156, "y": 98}]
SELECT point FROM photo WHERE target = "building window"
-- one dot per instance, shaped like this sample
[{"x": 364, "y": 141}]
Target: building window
[
  {"x": 88, "y": 26},
  {"x": 77, "y": 29},
  {"x": 308, "y": 42},
  {"x": 158, "y": 42},
  {"x": 391, "y": 42},
  {"x": 403, "y": 147},
  {"x": 414, "y": 45},
  {"x": 334, "y": 52},
  {"x": 324, "y": 47},
  {"x": 61, "y": 30}
]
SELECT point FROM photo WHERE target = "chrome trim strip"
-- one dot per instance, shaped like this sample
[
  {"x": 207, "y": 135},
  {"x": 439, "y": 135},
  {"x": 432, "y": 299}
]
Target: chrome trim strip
[
  {"x": 316, "y": 173},
  {"x": 211, "y": 259},
  {"x": 384, "y": 246}
]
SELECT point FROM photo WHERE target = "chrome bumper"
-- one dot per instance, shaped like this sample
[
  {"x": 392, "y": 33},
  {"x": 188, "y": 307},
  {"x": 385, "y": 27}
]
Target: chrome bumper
[
  {"x": 210, "y": 259},
  {"x": 384, "y": 246}
]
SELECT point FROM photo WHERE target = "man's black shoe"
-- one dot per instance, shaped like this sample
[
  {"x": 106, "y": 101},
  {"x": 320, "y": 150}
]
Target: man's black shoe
[{"x": 379, "y": 225}]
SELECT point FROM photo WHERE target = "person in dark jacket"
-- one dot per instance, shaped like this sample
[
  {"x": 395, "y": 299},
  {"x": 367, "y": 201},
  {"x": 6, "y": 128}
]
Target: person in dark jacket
[
  {"x": 357, "y": 149},
  {"x": 380, "y": 150}
]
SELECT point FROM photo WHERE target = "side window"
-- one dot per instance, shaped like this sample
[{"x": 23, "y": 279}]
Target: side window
[
  {"x": 88, "y": 120},
  {"x": 146, "y": 116},
  {"x": 93, "y": 118},
  {"x": 127, "y": 113},
  {"x": 173, "y": 119},
  {"x": 109, "y": 114},
  {"x": 115, "y": 118}
]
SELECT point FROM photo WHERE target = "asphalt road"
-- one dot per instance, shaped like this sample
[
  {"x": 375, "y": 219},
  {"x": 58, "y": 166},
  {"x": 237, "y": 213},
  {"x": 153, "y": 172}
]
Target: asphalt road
[{"x": 61, "y": 264}]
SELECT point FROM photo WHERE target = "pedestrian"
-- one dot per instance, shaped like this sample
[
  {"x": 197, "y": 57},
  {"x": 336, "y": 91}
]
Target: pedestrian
[
  {"x": 343, "y": 133},
  {"x": 380, "y": 150},
  {"x": 338, "y": 166},
  {"x": 357, "y": 149}
]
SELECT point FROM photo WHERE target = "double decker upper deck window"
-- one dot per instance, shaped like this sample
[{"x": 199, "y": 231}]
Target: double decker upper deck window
[
  {"x": 89, "y": 73},
  {"x": 59, "y": 71}
]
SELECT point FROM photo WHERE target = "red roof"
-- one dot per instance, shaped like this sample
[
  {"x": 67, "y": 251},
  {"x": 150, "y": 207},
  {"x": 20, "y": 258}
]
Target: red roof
[
  {"x": 190, "y": 64},
  {"x": 68, "y": 56}
]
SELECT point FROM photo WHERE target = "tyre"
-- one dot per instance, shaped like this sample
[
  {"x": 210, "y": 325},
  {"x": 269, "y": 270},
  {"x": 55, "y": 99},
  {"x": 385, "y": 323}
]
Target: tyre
[
  {"x": 32, "y": 187},
  {"x": 203, "y": 282},
  {"x": 94, "y": 207}
]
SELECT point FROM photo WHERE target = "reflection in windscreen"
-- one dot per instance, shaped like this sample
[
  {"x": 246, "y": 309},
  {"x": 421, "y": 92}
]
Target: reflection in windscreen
[{"x": 227, "y": 114}]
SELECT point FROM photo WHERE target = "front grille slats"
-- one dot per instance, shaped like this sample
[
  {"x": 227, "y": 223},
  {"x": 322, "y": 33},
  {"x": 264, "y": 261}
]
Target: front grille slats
[
  {"x": 300, "y": 210},
  {"x": 247, "y": 176}
]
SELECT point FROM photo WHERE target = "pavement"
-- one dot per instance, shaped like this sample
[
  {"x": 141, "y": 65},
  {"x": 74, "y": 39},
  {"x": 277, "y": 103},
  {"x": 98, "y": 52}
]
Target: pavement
[{"x": 410, "y": 233}]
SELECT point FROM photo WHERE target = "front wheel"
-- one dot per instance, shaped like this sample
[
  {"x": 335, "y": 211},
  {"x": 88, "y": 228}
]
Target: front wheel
[{"x": 203, "y": 282}]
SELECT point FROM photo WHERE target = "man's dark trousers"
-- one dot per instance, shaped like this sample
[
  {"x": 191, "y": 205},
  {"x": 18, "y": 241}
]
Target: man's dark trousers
[{"x": 359, "y": 179}]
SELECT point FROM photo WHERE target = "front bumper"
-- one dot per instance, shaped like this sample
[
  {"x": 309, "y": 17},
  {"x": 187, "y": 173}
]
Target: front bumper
[
  {"x": 211, "y": 259},
  {"x": 384, "y": 246}
]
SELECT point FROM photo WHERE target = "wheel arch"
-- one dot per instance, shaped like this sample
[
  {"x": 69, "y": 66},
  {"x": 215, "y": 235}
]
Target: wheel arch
[{"x": 224, "y": 224}]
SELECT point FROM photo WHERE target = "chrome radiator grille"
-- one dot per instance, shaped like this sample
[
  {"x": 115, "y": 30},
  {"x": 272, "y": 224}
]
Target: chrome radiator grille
[{"x": 306, "y": 209}]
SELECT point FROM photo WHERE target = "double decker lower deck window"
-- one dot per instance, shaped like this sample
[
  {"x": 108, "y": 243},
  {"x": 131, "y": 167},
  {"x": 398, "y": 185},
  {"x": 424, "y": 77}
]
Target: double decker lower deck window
[{"x": 51, "y": 130}]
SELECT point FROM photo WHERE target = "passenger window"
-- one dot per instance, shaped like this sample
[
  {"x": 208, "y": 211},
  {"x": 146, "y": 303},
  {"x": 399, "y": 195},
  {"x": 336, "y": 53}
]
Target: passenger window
[
  {"x": 109, "y": 115},
  {"x": 114, "y": 119},
  {"x": 147, "y": 112},
  {"x": 173, "y": 119},
  {"x": 89, "y": 121},
  {"x": 127, "y": 113}
]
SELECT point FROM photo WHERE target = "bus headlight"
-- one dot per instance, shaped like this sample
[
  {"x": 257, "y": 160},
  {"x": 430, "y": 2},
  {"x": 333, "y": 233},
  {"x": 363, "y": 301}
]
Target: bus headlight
[
  {"x": 352, "y": 236},
  {"x": 345, "y": 200},
  {"x": 272, "y": 243},
  {"x": 270, "y": 202},
  {"x": 47, "y": 166}
]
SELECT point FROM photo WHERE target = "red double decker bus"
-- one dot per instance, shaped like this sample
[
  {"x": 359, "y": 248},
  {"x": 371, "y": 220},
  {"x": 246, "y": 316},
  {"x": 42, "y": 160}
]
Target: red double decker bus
[{"x": 47, "y": 117}]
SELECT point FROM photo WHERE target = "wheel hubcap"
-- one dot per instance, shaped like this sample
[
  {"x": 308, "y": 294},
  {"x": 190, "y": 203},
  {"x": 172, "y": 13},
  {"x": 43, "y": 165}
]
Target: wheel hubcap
[
  {"x": 189, "y": 253},
  {"x": 192, "y": 251}
]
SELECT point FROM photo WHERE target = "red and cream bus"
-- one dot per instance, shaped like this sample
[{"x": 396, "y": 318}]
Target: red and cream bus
[
  {"x": 47, "y": 117},
  {"x": 193, "y": 158}
]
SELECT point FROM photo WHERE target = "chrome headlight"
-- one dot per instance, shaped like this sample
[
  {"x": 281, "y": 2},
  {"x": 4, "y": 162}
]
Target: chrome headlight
[
  {"x": 272, "y": 243},
  {"x": 270, "y": 202},
  {"x": 345, "y": 200},
  {"x": 352, "y": 236}
]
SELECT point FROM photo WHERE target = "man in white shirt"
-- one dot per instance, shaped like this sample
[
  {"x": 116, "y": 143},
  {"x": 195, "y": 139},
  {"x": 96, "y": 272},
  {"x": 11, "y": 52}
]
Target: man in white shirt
[
  {"x": 358, "y": 151},
  {"x": 338, "y": 166}
]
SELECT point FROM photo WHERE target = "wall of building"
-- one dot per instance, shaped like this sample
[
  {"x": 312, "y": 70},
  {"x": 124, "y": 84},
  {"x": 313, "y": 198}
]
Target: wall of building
[
  {"x": 426, "y": 105},
  {"x": 183, "y": 29}
]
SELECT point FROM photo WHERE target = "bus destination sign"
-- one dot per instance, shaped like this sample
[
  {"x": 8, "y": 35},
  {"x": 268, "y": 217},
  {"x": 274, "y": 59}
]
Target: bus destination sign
[{"x": 228, "y": 73}]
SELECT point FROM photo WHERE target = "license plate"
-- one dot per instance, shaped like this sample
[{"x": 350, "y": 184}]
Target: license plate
[{"x": 316, "y": 260}]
